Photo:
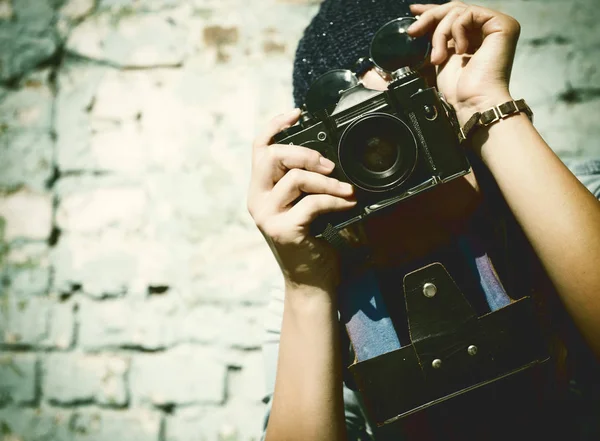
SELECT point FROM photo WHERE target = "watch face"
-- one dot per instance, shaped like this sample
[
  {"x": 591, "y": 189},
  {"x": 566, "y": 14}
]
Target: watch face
[
  {"x": 392, "y": 48},
  {"x": 325, "y": 91}
]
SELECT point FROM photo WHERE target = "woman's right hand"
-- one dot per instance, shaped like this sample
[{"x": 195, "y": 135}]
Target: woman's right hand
[
  {"x": 281, "y": 174},
  {"x": 474, "y": 48}
]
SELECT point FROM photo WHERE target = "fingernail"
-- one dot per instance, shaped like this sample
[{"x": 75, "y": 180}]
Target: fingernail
[
  {"x": 346, "y": 187},
  {"x": 293, "y": 112},
  {"x": 326, "y": 163}
]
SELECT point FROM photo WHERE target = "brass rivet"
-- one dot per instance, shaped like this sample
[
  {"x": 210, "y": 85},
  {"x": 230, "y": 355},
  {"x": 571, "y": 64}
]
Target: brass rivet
[
  {"x": 472, "y": 350},
  {"x": 436, "y": 364}
]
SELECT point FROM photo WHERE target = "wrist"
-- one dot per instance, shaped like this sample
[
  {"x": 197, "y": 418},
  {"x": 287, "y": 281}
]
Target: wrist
[
  {"x": 466, "y": 109},
  {"x": 310, "y": 297},
  {"x": 484, "y": 142}
]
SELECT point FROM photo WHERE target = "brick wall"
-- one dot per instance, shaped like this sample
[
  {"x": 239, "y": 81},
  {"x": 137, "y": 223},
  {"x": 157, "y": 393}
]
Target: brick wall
[{"x": 132, "y": 279}]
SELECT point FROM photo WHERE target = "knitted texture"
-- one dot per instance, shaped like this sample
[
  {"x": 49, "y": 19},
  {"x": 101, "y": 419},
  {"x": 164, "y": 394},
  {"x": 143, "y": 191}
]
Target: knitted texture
[{"x": 339, "y": 35}]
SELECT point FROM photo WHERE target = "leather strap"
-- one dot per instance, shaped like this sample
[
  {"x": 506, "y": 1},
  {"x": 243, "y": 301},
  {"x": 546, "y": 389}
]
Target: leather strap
[{"x": 494, "y": 114}]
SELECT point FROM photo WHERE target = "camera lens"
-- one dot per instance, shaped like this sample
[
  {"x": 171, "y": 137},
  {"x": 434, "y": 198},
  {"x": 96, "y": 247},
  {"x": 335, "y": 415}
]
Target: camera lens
[{"x": 377, "y": 152}]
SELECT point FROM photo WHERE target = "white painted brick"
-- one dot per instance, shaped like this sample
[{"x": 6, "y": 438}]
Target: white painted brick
[
  {"x": 134, "y": 41},
  {"x": 80, "y": 378},
  {"x": 110, "y": 425},
  {"x": 18, "y": 378},
  {"x": 40, "y": 322},
  {"x": 27, "y": 215},
  {"x": 77, "y": 9},
  {"x": 30, "y": 105},
  {"x": 165, "y": 321},
  {"x": 118, "y": 323},
  {"x": 25, "y": 159},
  {"x": 88, "y": 206},
  {"x": 77, "y": 85},
  {"x": 184, "y": 375},
  {"x": 102, "y": 266},
  {"x": 34, "y": 424},
  {"x": 26, "y": 270},
  {"x": 235, "y": 264},
  {"x": 246, "y": 382},
  {"x": 239, "y": 422}
]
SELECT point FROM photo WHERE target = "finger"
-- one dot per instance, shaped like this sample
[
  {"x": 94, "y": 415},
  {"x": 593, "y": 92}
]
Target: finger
[
  {"x": 278, "y": 159},
  {"x": 420, "y": 8},
  {"x": 296, "y": 182},
  {"x": 311, "y": 206},
  {"x": 442, "y": 35},
  {"x": 467, "y": 30},
  {"x": 459, "y": 33},
  {"x": 429, "y": 19},
  {"x": 275, "y": 126},
  {"x": 477, "y": 18}
]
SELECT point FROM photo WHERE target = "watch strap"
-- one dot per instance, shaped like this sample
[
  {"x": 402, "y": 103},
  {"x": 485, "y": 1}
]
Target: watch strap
[{"x": 494, "y": 114}]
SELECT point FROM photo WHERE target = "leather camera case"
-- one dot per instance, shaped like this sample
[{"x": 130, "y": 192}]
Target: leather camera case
[{"x": 451, "y": 350}]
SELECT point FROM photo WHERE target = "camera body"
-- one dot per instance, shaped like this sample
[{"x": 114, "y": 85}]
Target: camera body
[{"x": 389, "y": 144}]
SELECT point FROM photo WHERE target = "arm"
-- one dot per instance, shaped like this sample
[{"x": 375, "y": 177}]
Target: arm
[
  {"x": 559, "y": 216},
  {"x": 473, "y": 49},
  {"x": 307, "y": 400}
]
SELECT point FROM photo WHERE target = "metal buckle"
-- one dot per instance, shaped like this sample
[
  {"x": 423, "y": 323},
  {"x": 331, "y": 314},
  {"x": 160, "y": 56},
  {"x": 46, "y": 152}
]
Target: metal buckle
[
  {"x": 509, "y": 112},
  {"x": 496, "y": 117}
]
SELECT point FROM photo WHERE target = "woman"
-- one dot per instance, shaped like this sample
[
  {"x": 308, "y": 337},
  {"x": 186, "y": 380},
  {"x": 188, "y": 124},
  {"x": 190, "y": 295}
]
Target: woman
[{"x": 473, "y": 51}]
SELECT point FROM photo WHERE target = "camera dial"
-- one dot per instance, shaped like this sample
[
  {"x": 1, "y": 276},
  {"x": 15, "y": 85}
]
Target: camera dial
[{"x": 403, "y": 72}]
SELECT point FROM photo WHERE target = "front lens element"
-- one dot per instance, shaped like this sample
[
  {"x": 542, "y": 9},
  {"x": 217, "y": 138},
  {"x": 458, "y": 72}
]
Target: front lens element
[{"x": 377, "y": 152}]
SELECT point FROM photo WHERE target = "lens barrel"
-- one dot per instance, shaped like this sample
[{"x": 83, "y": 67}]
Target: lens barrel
[{"x": 377, "y": 152}]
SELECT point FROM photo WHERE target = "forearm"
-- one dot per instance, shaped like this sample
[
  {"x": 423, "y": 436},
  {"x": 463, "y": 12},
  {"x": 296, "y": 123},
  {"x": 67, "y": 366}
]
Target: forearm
[
  {"x": 307, "y": 401},
  {"x": 559, "y": 216}
]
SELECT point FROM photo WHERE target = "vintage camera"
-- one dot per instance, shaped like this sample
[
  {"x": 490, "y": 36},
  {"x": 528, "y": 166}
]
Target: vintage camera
[{"x": 390, "y": 145}]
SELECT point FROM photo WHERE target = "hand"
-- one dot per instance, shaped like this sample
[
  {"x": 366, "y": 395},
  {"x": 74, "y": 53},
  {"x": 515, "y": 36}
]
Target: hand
[
  {"x": 474, "y": 48},
  {"x": 281, "y": 174}
]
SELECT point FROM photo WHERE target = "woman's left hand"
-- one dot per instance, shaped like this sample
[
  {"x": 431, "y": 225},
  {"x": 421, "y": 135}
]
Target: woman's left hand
[{"x": 474, "y": 48}]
